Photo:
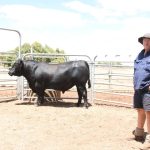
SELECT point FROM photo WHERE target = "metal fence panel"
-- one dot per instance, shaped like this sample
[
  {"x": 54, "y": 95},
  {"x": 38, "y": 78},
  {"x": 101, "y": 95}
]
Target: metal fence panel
[
  {"x": 113, "y": 82},
  {"x": 8, "y": 85}
]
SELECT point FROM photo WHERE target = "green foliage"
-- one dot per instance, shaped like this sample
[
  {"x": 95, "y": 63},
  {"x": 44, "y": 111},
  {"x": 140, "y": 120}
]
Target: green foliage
[
  {"x": 36, "y": 48},
  {"x": 7, "y": 59},
  {"x": 25, "y": 48}
]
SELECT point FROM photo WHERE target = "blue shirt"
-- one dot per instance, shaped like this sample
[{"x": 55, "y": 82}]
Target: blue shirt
[{"x": 142, "y": 71}]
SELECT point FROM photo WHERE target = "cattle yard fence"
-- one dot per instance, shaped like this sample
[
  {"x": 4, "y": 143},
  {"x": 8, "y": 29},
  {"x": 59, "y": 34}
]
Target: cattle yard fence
[
  {"x": 9, "y": 87},
  {"x": 112, "y": 81}
]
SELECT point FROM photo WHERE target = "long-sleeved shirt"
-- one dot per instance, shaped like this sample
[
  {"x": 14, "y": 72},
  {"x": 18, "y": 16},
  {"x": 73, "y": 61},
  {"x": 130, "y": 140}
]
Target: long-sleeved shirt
[{"x": 142, "y": 71}]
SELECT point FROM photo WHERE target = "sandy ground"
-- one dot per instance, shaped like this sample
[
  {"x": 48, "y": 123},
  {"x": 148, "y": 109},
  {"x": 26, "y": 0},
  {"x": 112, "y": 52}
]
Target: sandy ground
[{"x": 63, "y": 126}]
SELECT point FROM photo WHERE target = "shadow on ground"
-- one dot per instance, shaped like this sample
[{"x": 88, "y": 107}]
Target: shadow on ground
[
  {"x": 54, "y": 104},
  {"x": 7, "y": 100}
]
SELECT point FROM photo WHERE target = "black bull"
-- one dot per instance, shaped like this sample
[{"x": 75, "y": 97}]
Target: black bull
[{"x": 41, "y": 76}]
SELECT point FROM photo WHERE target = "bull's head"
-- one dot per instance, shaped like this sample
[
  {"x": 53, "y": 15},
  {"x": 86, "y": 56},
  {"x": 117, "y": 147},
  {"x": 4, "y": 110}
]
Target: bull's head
[{"x": 16, "y": 68}]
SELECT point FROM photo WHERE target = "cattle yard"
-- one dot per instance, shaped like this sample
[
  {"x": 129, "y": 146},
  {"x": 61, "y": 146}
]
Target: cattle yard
[
  {"x": 107, "y": 124},
  {"x": 111, "y": 83}
]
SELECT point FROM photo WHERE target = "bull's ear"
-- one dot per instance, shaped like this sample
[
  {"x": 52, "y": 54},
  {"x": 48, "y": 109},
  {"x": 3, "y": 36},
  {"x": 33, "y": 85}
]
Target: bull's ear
[{"x": 19, "y": 61}]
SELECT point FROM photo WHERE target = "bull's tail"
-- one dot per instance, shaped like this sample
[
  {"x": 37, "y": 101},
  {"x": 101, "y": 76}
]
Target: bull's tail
[{"x": 89, "y": 83}]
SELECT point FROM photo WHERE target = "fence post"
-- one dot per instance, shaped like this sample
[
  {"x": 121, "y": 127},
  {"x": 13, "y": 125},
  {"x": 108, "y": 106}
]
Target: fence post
[{"x": 110, "y": 72}]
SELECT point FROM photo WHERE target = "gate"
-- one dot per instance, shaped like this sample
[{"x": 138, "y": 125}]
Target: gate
[
  {"x": 113, "y": 82},
  {"x": 9, "y": 86}
]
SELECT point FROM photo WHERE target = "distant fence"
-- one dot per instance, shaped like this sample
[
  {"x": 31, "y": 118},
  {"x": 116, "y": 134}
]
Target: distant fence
[{"x": 112, "y": 81}]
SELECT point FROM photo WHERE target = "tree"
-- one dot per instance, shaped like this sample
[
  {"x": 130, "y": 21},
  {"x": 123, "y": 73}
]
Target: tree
[
  {"x": 25, "y": 48},
  {"x": 37, "y": 48}
]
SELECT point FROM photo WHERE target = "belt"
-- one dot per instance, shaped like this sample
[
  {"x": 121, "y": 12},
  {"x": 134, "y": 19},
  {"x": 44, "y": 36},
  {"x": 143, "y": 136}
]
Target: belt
[{"x": 144, "y": 90}]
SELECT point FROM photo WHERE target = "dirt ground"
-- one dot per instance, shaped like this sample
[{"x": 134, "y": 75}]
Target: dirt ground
[{"x": 63, "y": 126}]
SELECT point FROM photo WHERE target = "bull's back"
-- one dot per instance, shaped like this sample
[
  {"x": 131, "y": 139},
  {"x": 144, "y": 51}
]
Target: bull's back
[
  {"x": 62, "y": 76},
  {"x": 71, "y": 69},
  {"x": 81, "y": 71}
]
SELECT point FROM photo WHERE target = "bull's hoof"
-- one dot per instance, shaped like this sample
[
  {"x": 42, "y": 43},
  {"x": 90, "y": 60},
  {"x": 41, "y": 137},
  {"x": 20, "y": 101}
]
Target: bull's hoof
[
  {"x": 37, "y": 104},
  {"x": 41, "y": 103},
  {"x": 86, "y": 106},
  {"x": 78, "y": 104}
]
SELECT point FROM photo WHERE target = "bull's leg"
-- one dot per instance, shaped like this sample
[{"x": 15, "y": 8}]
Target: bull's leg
[
  {"x": 85, "y": 97},
  {"x": 80, "y": 93},
  {"x": 40, "y": 99}
]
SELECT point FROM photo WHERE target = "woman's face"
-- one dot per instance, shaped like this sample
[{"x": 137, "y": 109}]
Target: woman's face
[{"x": 146, "y": 44}]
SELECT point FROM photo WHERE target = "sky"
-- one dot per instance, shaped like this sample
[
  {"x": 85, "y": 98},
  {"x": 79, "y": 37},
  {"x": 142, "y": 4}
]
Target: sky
[{"x": 87, "y": 27}]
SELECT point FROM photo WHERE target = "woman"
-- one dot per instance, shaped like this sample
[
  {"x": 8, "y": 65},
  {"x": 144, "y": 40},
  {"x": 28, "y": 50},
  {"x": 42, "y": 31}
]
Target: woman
[{"x": 142, "y": 89}]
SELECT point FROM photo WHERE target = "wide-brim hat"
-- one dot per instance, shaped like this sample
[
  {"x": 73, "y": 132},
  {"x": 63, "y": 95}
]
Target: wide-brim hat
[{"x": 140, "y": 39}]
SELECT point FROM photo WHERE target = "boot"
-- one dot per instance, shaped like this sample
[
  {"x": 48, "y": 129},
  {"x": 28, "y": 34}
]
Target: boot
[
  {"x": 146, "y": 144},
  {"x": 139, "y": 134}
]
